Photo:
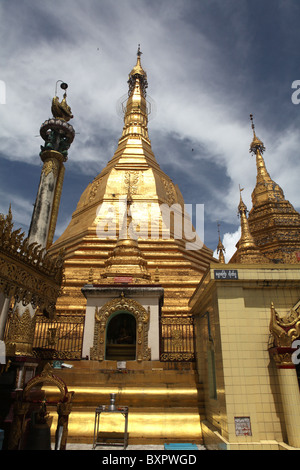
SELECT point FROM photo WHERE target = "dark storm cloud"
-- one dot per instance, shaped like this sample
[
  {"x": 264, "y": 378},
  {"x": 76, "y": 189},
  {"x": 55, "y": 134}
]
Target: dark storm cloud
[{"x": 210, "y": 64}]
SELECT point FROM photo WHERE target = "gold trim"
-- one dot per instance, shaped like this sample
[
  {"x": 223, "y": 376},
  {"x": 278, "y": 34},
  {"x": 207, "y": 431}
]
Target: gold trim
[
  {"x": 56, "y": 203},
  {"x": 27, "y": 271},
  {"x": 21, "y": 333},
  {"x": 102, "y": 316},
  {"x": 286, "y": 329},
  {"x": 50, "y": 166}
]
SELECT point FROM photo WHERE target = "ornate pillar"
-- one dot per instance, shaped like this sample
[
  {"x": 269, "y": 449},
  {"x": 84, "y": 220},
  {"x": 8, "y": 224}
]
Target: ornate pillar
[
  {"x": 58, "y": 135},
  {"x": 4, "y": 308},
  {"x": 284, "y": 331},
  {"x": 43, "y": 209},
  {"x": 64, "y": 409}
]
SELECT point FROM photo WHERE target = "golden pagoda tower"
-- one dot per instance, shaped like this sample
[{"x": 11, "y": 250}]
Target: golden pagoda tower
[
  {"x": 247, "y": 251},
  {"x": 126, "y": 262},
  {"x": 220, "y": 248},
  {"x": 273, "y": 221},
  {"x": 158, "y": 220}
]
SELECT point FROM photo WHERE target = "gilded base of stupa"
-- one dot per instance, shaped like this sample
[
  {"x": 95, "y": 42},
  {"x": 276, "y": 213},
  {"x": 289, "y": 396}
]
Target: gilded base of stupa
[{"x": 165, "y": 404}]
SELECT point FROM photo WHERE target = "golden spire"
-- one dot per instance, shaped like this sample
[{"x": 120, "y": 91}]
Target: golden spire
[
  {"x": 138, "y": 69},
  {"x": 220, "y": 248},
  {"x": 246, "y": 240},
  {"x": 136, "y": 114},
  {"x": 247, "y": 251},
  {"x": 257, "y": 148},
  {"x": 265, "y": 188},
  {"x": 273, "y": 221},
  {"x": 256, "y": 143}
]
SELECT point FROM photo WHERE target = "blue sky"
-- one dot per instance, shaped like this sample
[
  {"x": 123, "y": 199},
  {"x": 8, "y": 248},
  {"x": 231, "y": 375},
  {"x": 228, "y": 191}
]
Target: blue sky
[{"x": 210, "y": 63}]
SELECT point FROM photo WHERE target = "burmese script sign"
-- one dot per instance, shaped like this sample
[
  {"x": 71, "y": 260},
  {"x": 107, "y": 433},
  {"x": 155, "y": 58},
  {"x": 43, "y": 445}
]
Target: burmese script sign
[
  {"x": 226, "y": 273},
  {"x": 242, "y": 426}
]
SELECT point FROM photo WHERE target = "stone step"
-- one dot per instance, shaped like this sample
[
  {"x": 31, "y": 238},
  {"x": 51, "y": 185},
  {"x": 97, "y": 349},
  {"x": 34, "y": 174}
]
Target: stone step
[
  {"x": 138, "y": 396},
  {"x": 164, "y": 403},
  {"x": 155, "y": 425}
]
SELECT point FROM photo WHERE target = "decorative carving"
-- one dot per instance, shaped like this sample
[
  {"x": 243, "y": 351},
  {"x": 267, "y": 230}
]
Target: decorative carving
[
  {"x": 58, "y": 136},
  {"x": 46, "y": 376},
  {"x": 176, "y": 339},
  {"x": 284, "y": 330},
  {"x": 94, "y": 189},
  {"x": 22, "y": 403},
  {"x": 170, "y": 191},
  {"x": 21, "y": 333},
  {"x": 181, "y": 357},
  {"x": 102, "y": 315},
  {"x": 50, "y": 166},
  {"x": 131, "y": 179},
  {"x": 179, "y": 330},
  {"x": 27, "y": 271},
  {"x": 61, "y": 110}
]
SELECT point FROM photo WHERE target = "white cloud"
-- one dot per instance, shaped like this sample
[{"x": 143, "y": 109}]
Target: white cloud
[{"x": 21, "y": 209}]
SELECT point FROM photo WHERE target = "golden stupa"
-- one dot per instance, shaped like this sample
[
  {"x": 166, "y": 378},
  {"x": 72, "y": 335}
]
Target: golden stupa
[
  {"x": 273, "y": 221},
  {"x": 96, "y": 224}
]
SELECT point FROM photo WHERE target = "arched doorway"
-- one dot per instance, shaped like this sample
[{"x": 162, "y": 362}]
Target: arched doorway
[
  {"x": 121, "y": 337},
  {"x": 107, "y": 312}
]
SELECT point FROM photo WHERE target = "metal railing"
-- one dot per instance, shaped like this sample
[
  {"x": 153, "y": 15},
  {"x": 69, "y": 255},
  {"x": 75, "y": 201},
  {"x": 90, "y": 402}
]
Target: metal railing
[
  {"x": 61, "y": 338},
  {"x": 177, "y": 339}
]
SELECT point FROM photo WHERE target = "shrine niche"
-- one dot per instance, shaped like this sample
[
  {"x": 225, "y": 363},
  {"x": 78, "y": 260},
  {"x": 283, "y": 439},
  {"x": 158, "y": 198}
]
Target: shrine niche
[
  {"x": 121, "y": 331},
  {"x": 121, "y": 337}
]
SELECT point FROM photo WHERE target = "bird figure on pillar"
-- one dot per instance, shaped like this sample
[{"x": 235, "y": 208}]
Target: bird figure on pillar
[{"x": 61, "y": 110}]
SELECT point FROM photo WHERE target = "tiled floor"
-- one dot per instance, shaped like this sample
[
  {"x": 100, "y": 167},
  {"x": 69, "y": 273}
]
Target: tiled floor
[{"x": 74, "y": 446}]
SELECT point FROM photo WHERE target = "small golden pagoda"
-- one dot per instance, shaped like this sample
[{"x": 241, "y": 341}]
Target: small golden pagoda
[
  {"x": 247, "y": 251},
  {"x": 273, "y": 221},
  {"x": 126, "y": 262}
]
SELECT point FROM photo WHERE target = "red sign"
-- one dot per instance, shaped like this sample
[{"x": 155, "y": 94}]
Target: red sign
[
  {"x": 122, "y": 280},
  {"x": 298, "y": 255}
]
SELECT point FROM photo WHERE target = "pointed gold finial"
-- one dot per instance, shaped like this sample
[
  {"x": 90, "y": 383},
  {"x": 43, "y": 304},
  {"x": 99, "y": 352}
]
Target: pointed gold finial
[
  {"x": 9, "y": 215},
  {"x": 263, "y": 178},
  {"x": 247, "y": 251},
  {"x": 242, "y": 206},
  {"x": 138, "y": 73},
  {"x": 220, "y": 248},
  {"x": 246, "y": 239},
  {"x": 136, "y": 110},
  {"x": 256, "y": 143}
]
